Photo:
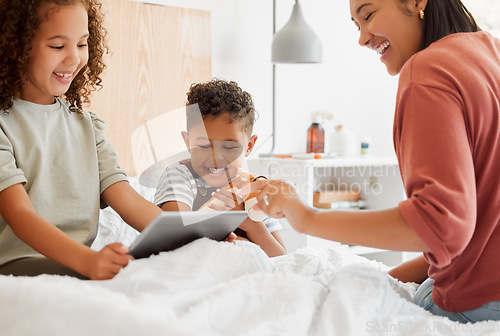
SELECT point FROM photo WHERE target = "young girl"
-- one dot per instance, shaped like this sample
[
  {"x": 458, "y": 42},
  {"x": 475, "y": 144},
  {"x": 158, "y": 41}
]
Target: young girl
[
  {"x": 447, "y": 140},
  {"x": 56, "y": 167}
]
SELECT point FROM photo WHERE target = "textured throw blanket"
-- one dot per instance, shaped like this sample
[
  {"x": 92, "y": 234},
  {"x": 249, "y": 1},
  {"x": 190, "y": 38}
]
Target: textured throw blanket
[{"x": 217, "y": 288}]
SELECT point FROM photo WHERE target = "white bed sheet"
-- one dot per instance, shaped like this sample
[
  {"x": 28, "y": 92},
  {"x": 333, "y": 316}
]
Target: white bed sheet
[{"x": 219, "y": 288}]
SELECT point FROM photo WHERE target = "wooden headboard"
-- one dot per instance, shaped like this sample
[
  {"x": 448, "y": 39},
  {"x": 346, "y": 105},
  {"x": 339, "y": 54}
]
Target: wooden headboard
[{"x": 157, "y": 52}]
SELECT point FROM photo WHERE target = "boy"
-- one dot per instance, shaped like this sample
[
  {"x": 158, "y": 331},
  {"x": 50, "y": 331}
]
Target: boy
[{"x": 220, "y": 118}]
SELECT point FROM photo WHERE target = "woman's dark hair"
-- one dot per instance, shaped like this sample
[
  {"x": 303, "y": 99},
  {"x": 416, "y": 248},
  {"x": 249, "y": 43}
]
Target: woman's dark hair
[
  {"x": 19, "y": 20},
  {"x": 445, "y": 17}
]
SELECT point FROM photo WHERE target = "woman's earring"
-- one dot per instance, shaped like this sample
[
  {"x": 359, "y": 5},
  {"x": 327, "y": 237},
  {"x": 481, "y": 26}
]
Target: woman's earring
[{"x": 422, "y": 14}]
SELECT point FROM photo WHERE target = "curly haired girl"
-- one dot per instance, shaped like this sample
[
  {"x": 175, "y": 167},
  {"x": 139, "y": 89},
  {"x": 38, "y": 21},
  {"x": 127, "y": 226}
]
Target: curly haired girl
[{"x": 56, "y": 167}]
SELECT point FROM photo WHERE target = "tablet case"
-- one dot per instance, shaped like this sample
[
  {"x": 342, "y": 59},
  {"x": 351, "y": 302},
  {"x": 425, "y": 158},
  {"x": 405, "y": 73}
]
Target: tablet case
[{"x": 173, "y": 229}]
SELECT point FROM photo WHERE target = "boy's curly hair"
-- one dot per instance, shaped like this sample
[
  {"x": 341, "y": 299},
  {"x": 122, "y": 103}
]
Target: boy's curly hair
[
  {"x": 19, "y": 20},
  {"x": 217, "y": 97}
]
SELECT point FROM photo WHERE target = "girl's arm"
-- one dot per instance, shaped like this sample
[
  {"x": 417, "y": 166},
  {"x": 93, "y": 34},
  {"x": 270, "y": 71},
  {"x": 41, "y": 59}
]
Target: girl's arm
[
  {"x": 414, "y": 270},
  {"x": 18, "y": 211},
  {"x": 386, "y": 229},
  {"x": 257, "y": 232},
  {"x": 175, "y": 206},
  {"x": 134, "y": 209}
]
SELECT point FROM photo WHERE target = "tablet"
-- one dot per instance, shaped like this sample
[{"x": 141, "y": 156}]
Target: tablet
[{"x": 173, "y": 229}]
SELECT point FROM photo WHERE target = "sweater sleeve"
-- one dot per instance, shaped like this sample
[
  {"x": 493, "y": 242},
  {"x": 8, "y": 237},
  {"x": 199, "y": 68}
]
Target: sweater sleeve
[
  {"x": 109, "y": 169},
  {"x": 437, "y": 169},
  {"x": 10, "y": 174},
  {"x": 176, "y": 185}
]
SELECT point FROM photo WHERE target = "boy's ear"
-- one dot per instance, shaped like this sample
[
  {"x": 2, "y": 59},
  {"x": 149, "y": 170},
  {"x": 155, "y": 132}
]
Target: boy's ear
[
  {"x": 186, "y": 140},
  {"x": 251, "y": 144}
]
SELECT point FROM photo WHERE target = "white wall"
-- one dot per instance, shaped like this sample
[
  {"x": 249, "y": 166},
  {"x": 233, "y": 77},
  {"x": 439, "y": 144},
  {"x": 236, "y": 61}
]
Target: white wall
[{"x": 351, "y": 82}]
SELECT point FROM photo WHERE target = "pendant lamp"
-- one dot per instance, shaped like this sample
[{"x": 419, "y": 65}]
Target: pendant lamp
[{"x": 296, "y": 42}]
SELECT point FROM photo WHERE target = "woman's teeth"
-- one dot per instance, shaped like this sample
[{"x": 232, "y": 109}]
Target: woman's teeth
[
  {"x": 215, "y": 170},
  {"x": 59, "y": 74},
  {"x": 382, "y": 47}
]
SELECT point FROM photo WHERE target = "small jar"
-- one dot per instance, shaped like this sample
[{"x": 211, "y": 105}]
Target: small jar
[{"x": 365, "y": 146}]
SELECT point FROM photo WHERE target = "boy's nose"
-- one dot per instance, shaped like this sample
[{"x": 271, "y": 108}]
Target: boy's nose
[{"x": 219, "y": 158}]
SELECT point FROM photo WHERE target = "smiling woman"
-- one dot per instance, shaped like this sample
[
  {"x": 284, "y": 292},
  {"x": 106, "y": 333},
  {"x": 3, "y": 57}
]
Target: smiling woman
[
  {"x": 407, "y": 26},
  {"x": 447, "y": 140},
  {"x": 391, "y": 29}
]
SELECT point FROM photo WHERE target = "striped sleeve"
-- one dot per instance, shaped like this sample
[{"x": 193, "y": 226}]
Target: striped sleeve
[
  {"x": 272, "y": 224},
  {"x": 176, "y": 184}
]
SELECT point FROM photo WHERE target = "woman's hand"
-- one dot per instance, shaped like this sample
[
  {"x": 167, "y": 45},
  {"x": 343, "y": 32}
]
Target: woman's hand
[
  {"x": 279, "y": 199},
  {"x": 106, "y": 263}
]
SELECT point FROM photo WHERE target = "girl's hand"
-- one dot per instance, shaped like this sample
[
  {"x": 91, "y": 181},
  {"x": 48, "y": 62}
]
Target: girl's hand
[
  {"x": 229, "y": 201},
  {"x": 279, "y": 199},
  {"x": 231, "y": 238},
  {"x": 106, "y": 263}
]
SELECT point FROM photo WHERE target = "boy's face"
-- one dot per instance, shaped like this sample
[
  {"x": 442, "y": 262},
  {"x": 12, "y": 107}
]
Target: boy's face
[{"x": 218, "y": 148}]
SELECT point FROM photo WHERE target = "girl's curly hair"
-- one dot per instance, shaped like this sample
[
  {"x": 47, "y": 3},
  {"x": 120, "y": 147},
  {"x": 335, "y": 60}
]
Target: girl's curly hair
[
  {"x": 218, "y": 97},
  {"x": 19, "y": 20}
]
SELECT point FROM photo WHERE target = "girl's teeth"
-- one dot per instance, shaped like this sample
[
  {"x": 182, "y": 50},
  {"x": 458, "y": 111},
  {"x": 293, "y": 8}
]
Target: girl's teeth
[
  {"x": 215, "y": 171},
  {"x": 63, "y": 75}
]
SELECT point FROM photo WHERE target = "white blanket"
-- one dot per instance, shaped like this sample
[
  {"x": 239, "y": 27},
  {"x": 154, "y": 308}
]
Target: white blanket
[{"x": 218, "y": 288}]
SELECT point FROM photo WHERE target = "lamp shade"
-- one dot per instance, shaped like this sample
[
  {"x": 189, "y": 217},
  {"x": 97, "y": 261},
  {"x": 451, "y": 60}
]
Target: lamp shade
[{"x": 296, "y": 42}]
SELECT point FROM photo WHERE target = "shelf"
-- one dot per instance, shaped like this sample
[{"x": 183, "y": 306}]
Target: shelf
[
  {"x": 376, "y": 178},
  {"x": 359, "y": 250},
  {"x": 336, "y": 162}
]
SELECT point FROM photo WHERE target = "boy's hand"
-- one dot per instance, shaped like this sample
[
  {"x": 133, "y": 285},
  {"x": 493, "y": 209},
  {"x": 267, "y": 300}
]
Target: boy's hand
[
  {"x": 229, "y": 201},
  {"x": 106, "y": 263},
  {"x": 279, "y": 199}
]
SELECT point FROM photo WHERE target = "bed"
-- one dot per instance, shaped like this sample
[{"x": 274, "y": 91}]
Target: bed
[
  {"x": 205, "y": 287},
  {"x": 219, "y": 288}
]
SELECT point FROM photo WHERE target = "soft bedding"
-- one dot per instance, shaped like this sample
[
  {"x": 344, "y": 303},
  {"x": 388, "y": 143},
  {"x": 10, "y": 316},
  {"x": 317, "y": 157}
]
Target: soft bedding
[{"x": 219, "y": 288}]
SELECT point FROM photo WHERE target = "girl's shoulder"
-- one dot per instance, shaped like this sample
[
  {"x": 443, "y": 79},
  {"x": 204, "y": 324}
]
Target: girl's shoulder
[{"x": 98, "y": 123}]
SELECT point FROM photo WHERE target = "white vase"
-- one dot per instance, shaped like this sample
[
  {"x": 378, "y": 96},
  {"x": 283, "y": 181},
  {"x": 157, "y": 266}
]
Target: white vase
[{"x": 343, "y": 141}]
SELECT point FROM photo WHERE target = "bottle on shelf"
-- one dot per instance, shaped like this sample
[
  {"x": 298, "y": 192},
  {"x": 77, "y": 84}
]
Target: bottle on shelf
[
  {"x": 365, "y": 146},
  {"x": 316, "y": 136}
]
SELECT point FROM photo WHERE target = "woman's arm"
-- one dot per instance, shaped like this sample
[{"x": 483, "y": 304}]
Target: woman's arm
[
  {"x": 414, "y": 270},
  {"x": 134, "y": 209},
  {"x": 385, "y": 229},
  {"x": 18, "y": 211}
]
